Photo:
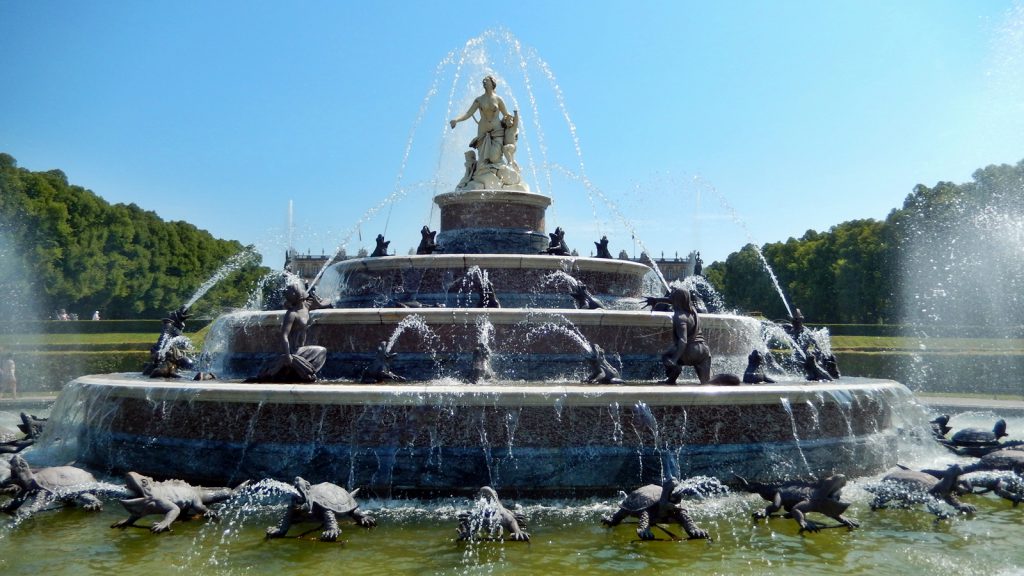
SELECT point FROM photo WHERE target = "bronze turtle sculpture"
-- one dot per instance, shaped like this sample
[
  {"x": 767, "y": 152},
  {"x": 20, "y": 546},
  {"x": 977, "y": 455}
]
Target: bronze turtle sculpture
[
  {"x": 979, "y": 436},
  {"x": 491, "y": 520},
  {"x": 801, "y": 498},
  {"x": 323, "y": 502},
  {"x": 653, "y": 504},
  {"x": 45, "y": 486},
  {"x": 979, "y": 441}
]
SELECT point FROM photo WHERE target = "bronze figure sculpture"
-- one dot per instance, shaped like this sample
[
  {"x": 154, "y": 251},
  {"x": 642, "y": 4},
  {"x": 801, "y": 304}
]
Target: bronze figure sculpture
[
  {"x": 382, "y": 247},
  {"x": 297, "y": 362},
  {"x": 427, "y": 243},
  {"x": 688, "y": 347}
]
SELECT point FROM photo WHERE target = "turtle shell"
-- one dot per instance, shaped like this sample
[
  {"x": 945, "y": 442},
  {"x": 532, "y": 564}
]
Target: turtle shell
[
  {"x": 332, "y": 497},
  {"x": 974, "y": 437},
  {"x": 1004, "y": 460},
  {"x": 979, "y": 436},
  {"x": 642, "y": 498},
  {"x": 59, "y": 477}
]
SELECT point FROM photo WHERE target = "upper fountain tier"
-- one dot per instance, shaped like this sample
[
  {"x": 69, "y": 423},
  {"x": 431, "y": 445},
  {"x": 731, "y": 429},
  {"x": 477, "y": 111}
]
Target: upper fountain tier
[
  {"x": 492, "y": 210},
  {"x": 492, "y": 239},
  {"x": 501, "y": 234}
]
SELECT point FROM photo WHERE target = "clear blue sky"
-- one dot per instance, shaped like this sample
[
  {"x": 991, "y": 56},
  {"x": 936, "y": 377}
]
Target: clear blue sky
[{"x": 707, "y": 124}]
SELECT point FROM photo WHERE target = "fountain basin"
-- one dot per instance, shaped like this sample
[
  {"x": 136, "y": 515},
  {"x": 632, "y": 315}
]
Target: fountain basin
[
  {"x": 528, "y": 344},
  {"x": 521, "y": 280},
  {"x": 441, "y": 437}
]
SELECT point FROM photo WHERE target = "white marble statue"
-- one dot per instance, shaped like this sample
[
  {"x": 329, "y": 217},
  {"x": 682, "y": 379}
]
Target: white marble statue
[{"x": 493, "y": 165}]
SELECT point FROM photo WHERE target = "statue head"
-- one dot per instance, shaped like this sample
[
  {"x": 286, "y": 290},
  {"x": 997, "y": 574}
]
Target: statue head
[
  {"x": 19, "y": 467},
  {"x": 798, "y": 318},
  {"x": 681, "y": 299},
  {"x": 294, "y": 292},
  {"x": 302, "y": 486},
  {"x": 178, "y": 317},
  {"x": 999, "y": 429},
  {"x": 139, "y": 483},
  {"x": 489, "y": 78}
]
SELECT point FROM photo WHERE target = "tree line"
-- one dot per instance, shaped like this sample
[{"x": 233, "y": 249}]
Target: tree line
[
  {"x": 952, "y": 253},
  {"x": 62, "y": 246}
]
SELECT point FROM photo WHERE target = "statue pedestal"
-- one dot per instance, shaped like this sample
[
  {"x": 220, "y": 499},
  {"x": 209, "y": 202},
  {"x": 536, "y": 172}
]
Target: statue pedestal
[{"x": 492, "y": 222}]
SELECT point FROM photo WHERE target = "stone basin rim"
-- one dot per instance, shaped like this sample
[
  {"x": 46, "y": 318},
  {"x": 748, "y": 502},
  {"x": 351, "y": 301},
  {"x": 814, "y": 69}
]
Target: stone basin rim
[
  {"x": 534, "y": 316},
  {"x": 487, "y": 261},
  {"x": 131, "y": 385},
  {"x": 488, "y": 195}
]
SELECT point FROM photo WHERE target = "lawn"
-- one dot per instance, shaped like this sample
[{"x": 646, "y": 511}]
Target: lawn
[{"x": 973, "y": 346}]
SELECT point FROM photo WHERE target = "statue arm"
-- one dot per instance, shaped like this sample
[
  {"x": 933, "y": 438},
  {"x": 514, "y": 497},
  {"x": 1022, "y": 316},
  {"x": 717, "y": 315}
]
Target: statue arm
[
  {"x": 679, "y": 330},
  {"x": 286, "y": 330},
  {"x": 472, "y": 109},
  {"x": 652, "y": 300}
]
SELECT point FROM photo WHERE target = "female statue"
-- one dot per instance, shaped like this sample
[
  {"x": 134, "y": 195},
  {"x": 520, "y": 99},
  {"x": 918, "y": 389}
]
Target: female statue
[{"x": 490, "y": 131}]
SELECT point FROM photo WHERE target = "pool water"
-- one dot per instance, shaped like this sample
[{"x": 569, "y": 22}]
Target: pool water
[
  {"x": 418, "y": 537},
  {"x": 567, "y": 538}
]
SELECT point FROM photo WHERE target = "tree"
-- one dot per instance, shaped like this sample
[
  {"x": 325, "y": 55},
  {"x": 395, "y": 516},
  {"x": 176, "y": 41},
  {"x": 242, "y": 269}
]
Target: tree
[
  {"x": 950, "y": 254},
  {"x": 81, "y": 253}
]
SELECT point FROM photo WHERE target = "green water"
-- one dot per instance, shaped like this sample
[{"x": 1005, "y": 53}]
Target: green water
[
  {"x": 567, "y": 538},
  {"x": 418, "y": 537}
]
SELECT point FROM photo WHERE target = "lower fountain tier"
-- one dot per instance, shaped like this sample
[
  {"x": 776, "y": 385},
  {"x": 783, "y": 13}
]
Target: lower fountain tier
[
  {"x": 430, "y": 343},
  {"x": 442, "y": 438},
  {"x": 519, "y": 280}
]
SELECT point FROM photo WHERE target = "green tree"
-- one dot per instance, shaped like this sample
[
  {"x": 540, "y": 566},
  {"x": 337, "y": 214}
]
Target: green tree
[{"x": 77, "y": 251}]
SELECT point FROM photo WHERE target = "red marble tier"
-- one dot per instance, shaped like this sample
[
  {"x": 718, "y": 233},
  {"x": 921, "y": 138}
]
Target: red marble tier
[{"x": 492, "y": 209}]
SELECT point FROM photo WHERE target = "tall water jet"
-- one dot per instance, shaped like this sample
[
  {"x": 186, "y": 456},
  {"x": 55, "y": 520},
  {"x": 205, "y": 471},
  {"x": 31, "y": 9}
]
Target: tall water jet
[
  {"x": 246, "y": 256},
  {"x": 962, "y": 273}
]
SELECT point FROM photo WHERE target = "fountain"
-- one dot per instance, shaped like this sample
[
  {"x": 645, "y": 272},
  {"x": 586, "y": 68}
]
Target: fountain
[
  {"x": 555, "y": 376},
  {"x": 481, "y": 361}
]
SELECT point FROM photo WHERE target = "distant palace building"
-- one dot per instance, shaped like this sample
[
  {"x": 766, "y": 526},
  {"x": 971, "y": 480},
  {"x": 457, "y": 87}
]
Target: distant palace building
[
  {"x": 306, "y": 266},
  {"x": 672, "y": 268}
]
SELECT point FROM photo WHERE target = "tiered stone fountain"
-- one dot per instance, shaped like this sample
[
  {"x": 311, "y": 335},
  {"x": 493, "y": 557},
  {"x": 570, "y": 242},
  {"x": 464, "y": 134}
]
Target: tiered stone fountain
[{"x": 532, "y": 427}]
